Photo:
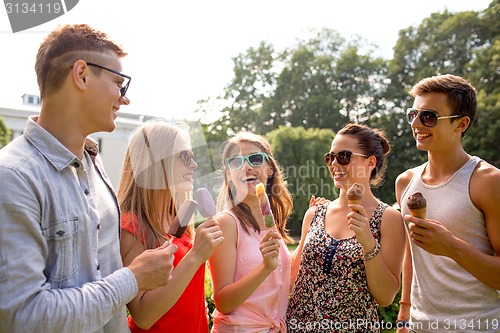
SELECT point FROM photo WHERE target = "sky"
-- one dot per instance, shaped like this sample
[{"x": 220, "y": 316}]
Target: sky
[{"x": 181, "y": 51}]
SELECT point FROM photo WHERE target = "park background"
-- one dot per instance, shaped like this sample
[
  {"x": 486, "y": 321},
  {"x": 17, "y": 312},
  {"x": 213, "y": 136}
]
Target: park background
[{"x": 300, "y": 95}]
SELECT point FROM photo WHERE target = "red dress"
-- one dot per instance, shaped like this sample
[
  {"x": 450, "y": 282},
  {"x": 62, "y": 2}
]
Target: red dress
[{"x": 189, "y": 313}]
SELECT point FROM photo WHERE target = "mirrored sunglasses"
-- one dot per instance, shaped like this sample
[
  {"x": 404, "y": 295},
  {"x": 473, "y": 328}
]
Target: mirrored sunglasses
[{"x": 428, "y": 118}]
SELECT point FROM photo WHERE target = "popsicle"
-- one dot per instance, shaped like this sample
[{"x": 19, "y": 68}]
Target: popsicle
[
  {"x": 181, "y": 221},
  {"x": 206, "y": 205},
  {"x": 265, "y": 206}
]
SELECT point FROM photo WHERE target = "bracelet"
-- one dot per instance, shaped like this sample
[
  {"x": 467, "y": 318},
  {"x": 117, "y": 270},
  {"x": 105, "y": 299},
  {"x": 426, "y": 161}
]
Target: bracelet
[
  {"x": 373, "y": 253},
  {"x": 403, "y": 324},
  {"x": 404, "y": 303}
]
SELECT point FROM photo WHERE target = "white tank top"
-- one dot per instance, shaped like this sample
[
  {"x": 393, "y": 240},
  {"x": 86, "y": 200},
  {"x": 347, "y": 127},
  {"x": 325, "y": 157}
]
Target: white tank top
[{"x": 445, "y": 296}]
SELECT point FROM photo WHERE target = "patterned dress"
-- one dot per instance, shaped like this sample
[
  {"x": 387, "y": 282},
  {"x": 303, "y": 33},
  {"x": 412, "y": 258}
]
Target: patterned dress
[{"x": 331, "y": 292}]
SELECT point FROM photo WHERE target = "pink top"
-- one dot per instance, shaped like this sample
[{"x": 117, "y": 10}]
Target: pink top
[{"x": 265, "y": 309}]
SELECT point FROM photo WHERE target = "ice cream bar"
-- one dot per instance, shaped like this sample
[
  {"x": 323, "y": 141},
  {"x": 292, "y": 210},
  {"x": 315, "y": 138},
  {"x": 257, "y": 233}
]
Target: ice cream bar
[
  {"x": 181, "y": 221},
  {"x": 206, "y": 205},
  {"x": 265, "y": 206},
  {"x": 355, "y": 193},
  {"x": 417, "y": 205}
]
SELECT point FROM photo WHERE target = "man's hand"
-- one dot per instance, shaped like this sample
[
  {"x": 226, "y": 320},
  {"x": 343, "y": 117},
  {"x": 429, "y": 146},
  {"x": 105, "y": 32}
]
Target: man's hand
[
  {"x": 152, "y": 268},
  {"x": 431, "y": 236}
]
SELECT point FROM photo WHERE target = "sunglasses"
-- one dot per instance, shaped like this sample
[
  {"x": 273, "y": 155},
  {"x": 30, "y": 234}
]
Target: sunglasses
[
  {"x": 343, "y": 157},
  {"x": 428, "y": 118},
  {"x": 254, "y": 160},
  {"x": 126, "y": 81},
  {"x": 187, "y": 157}
]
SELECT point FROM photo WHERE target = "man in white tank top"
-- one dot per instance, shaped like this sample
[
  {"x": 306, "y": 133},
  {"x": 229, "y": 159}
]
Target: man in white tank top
[{"x": 451, "y": 270}]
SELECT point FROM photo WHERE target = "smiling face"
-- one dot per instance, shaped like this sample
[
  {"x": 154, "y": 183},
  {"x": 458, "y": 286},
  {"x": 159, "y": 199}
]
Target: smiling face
[
  {"x": 359, "y": 168},
  {"x": 442, "y": 136},
  {"x": 105, "y": 98},
  {"x": 246, "y": 178},
  {"x": 183, "y": 166}
]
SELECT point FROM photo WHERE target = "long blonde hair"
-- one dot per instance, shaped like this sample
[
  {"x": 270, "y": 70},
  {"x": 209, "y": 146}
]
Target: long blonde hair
[
  {"x": 144, "y": 189},
  {"x": 277, "y": 190}
]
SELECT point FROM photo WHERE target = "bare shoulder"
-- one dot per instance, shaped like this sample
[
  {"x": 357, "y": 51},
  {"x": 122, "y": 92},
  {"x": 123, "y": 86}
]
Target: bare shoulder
[
  {"x": 392, "y": 217},
  {"x": 402, "y": 182},
  {"x": 484, "y": 185},
  {"x": 404, "y": 178},
  {"x": 227, "y": 225}
]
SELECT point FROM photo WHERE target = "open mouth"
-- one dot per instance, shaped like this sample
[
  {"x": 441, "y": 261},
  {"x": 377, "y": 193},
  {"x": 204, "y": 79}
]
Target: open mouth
[{"x": 248, "y": 179}]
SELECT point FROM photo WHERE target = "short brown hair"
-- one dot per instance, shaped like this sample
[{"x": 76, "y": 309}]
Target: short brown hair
[
  {"x": 462, "y": 96},
  {"x": 65, "y": 45}
]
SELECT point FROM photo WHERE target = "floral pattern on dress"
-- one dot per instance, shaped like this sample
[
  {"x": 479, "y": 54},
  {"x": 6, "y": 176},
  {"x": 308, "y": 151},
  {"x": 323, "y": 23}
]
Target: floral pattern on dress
[{"x": 331, "y": 293}]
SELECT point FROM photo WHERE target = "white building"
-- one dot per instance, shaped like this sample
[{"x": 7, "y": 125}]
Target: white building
[{"x": 112, "y": 145}]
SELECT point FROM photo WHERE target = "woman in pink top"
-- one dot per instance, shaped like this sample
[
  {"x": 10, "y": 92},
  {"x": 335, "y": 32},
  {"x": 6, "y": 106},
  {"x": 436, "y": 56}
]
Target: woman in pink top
[{"x": 251, "y": 269}]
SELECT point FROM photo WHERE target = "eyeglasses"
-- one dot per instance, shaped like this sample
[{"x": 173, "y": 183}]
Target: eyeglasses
[
  {"x": 126, "y": 82},
  {"x": 255, "y": 160},
  {"x": 428, "y": 118},
  {"x": 187, "y": 157},
  {"x": 343, "y": 157}
]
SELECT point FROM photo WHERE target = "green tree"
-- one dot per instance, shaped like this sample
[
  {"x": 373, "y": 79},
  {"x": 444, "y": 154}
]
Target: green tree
[
  {"x": 5, "y": 133},
  {"x": 325, "y": 83},
  {"x": 299, "y": 152}
]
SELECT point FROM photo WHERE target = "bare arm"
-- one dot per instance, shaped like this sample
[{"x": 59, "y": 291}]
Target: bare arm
[
  {"x": 297, "y": 254},
  {"x": 383, "y": 271},
  {"x": 148, "y": 307},
  {"x": 407, "y": 272}
]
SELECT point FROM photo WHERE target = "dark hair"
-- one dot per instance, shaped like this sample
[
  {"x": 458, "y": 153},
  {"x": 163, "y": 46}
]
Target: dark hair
[
  {"x": 372, "y": 141},
  {"x": 462, "y": 96}
]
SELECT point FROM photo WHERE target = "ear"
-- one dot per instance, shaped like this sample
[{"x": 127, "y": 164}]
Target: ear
[
  {"x": 462, "y": 124},
  {"x": 79, "y": 74},
  {"x": 372, "y": 162}
]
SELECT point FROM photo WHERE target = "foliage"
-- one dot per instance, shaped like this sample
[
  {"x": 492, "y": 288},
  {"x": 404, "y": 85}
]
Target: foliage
[
  {"x": 302, "y": 95},
  {"x": 299, "y": 152},
  {"x": 5, "y": 133}
]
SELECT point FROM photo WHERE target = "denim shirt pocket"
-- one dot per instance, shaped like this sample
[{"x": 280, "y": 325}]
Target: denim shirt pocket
[{"x": 62, "y": 243}]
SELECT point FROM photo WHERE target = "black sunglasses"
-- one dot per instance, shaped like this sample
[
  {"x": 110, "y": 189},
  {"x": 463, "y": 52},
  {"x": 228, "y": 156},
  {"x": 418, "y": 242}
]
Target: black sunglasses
[
  {"x": 343, "y": 157},
  {"x": 255, "y": 160},
  {"x": 428, "y": 118},
  {"x": 126, "y": 82},
  {"x": 187, "y": 157}
]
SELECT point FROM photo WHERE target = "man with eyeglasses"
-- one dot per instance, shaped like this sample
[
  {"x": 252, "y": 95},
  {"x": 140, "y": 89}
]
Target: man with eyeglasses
[
  {"x": 452, "y": 264},
  {"x": 60, "y": 264}
]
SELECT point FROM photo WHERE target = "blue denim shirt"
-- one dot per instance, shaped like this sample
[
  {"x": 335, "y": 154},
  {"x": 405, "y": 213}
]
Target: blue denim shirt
[{"x": 50, "y": 278}]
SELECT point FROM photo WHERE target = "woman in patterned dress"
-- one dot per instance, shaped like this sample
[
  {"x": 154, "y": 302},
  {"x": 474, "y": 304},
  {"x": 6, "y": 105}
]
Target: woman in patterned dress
[{"x": 349, "y": 258}]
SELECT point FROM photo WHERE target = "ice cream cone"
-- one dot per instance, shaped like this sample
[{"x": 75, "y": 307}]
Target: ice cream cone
[
  {"x": 417, "y": 205},
  {"x": 420, "y": 213}
]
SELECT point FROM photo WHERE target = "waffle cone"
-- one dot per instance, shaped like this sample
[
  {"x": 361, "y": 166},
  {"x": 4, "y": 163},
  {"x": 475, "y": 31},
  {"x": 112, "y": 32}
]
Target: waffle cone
[
  {"x": 420, "y": 213},
  {"x": 354, "y": 202}
]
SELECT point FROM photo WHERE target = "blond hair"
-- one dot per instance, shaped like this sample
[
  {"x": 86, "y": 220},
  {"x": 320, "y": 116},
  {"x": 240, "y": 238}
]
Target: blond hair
[{"x": 145, "y": 189}]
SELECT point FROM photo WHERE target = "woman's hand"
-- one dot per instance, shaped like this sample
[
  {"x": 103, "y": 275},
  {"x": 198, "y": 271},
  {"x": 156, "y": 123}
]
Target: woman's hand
[
  {"x": 208, "y": 237},
  {"x": 359, "y": 223},
  {"x": 317, "y": 201},
  {"x": 270, "y": 247}
]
